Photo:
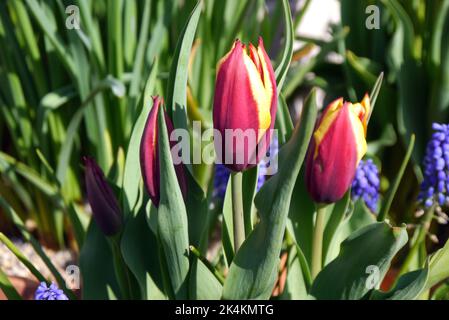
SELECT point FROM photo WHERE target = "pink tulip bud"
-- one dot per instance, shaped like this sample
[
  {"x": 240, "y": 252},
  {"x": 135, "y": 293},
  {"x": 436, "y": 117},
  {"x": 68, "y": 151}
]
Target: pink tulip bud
[
  {"x": 337, "y": 146},
  {"x": 245, "y": 102},
  {"x": 149, "y": 154}
]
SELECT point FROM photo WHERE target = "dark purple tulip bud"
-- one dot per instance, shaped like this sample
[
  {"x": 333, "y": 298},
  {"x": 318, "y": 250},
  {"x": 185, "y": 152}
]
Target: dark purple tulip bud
[
  {"x": 105, "y": 208},
  {"x": 149, "y": 154}
]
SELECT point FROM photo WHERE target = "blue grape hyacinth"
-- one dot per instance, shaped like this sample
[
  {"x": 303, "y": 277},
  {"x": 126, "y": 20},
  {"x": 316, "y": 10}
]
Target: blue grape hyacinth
[
  {"x": 52, "y": 292},
  {"x": 435, "y": 186},
  {"x": 366, "y": 184}
]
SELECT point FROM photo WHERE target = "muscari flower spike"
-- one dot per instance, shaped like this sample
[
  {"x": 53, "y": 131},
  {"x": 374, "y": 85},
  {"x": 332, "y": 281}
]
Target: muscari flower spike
[
  {"x": 52, "y": 292},
  {"x": 435, "y": 186},
  {"x": 366, "y": 184}
]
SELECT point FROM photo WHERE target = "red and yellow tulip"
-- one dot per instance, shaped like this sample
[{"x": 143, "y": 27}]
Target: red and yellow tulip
[
  {"x": 245, "y": 101},
  {"x": 149, "y": 154},
  {"x": 337, "y": 146}
]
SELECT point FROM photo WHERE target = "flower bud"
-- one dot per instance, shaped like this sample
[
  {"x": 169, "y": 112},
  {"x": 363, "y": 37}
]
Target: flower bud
[
  {"x": 105, "y": 208},
  {"x": 245, "y": 105},
  {"x": 149, "y": 154},
  {"x": 337, "y": 146}
]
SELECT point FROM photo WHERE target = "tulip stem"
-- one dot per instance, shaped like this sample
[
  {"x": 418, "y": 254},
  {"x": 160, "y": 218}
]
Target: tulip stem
[
  {"x": 317, "y": 244},
  {"x": 237, "y": 210}
]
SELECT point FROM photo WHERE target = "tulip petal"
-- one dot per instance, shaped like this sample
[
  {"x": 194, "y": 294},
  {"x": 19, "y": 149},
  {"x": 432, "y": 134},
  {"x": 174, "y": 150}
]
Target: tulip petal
[
  {"x": 246, "y": 100},
  {"x": 331, "y": 168},
  {"x": 102, "y": 200},
  {"x": 149, "y": 154}
]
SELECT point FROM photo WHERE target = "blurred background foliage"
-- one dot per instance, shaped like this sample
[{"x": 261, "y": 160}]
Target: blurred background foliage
[{"x": 68, "y": 92}]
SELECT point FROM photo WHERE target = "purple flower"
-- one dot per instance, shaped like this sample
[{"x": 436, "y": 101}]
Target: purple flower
[
  {"x": 435, "y": 186},
  {"x": 366, "y": 184},
  {"x": 104, "y": 204},
  {"x": 43, "y": 292}
]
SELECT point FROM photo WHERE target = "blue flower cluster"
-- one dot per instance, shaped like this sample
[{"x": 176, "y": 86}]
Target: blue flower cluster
[
  {"x": 52, "y": 292},
  {"x": 366, "y": 184},
  {"x": 435, "y": 186}
]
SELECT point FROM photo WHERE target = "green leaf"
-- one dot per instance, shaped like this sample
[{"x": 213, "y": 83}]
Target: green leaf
[
  {"x": 139, "y": 250},
  {"x": 283, "y": 122},
  {"x": 18, "y": 222},
  {"x": 438, "y": 266},
  {"x": 177, "y": 82},
  {"x": 172, "y": 218},
  {"x": 338, "y": 214},
  {"x": 9, "y": 163},
  {"x": 253, "y": 271},
  {"x": 282, "y": 68},
  {"x": 346, "y": 276},
  {"x": 409, "y": 286},
  {"x": 296, "y": 284},
  {"x": 22, "y": 258},
  {"x": 394, "y": 187},
  {"x": 97, "y": 266},
  {"x": 7, "y": 287},
  {"x": 132, "y": 175},
  {"x": 203, "y": 284}
]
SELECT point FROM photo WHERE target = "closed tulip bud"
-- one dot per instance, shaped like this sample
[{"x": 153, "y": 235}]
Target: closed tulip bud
[
  {"x": 337, "y": 146},
  {"x": 149, "y": 154},
  {"x": 245, "y": 102},
  {"x": 105, "y": 208}
]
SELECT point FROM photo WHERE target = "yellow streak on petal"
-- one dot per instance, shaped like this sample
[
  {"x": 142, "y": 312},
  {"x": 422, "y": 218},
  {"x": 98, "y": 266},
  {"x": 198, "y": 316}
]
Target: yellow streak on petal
[
  {"x": 328, "y": 118},
  {"x": 262, "y": 95},
  {"x": 359, "y": 130}
]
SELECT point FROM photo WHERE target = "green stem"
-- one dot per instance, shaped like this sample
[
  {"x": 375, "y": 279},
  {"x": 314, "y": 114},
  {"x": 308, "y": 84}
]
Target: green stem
[
  {"x": 237, "y": 210},
  {"x": 317, "y": 244},
  {"x": 206, "y": 262},
  {"x": 422, "y": 232},
  {"x": 121, "y": 270}
]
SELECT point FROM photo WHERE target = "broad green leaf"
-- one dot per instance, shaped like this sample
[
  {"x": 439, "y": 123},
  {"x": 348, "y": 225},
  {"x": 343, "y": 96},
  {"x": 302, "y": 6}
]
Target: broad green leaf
[
  {"x": 296, "y": 284},
  {"x": 139, "y": 249},
  {"x": 97, "y": 266},
  {"x": 197, "y": 214},
  {"x": 300, "y": 217},
  {"x": 253, "y": 271},
  {"x": 172, "y": 218},
  {"x": 374, "y": 245},
  {"x": 409, "y": 286},
  {"x": 203, "y": 285},
  {"x": 337, "y": 215},
  {"x": 439, "y": 266}
]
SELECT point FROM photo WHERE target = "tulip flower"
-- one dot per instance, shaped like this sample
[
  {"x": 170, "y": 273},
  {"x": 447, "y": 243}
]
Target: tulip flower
[
  {"x": 338, "y": 144},
  {"x": 105, "y": 208},
  {"x": 245, "y": 101},
  {"x": 149, "y": 154}
]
